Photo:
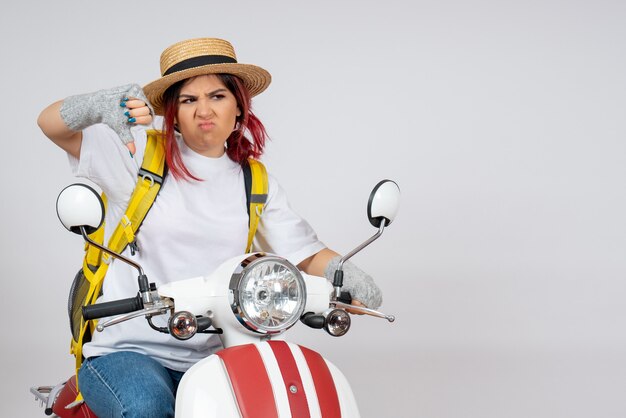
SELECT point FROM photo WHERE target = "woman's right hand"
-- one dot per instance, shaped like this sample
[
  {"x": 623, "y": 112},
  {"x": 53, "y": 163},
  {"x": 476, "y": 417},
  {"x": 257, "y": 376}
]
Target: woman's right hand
[
  {"x": 139, "y": 112},
  {"x": 120, "y": 108}
]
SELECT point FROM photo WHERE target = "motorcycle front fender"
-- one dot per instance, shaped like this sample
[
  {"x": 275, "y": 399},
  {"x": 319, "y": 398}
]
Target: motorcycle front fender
[{"x": 266, "y": 379}]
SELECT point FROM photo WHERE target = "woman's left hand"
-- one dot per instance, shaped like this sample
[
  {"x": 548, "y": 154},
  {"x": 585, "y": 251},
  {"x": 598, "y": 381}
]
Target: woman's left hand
[{"x": 356, "y": 303}]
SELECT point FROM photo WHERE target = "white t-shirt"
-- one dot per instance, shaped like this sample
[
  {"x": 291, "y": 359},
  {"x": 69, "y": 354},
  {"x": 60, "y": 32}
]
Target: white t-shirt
[{"x": 190, "y": 230}]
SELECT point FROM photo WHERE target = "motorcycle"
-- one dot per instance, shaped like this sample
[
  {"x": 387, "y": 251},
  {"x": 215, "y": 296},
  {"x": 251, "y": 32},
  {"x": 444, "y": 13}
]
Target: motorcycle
[{"x": 249, "y": 301}]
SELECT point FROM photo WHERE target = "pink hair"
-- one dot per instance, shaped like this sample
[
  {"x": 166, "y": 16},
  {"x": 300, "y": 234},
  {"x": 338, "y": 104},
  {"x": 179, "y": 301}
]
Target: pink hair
[{"x": 238, "y": 147}]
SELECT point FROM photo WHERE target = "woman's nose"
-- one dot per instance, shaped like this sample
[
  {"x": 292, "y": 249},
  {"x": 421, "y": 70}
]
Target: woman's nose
[{"x": 204, "y": 108}]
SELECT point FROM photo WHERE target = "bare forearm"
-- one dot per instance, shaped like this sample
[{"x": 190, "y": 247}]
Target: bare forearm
[
  {"x": 316, "y": 264},
  {"x": 53, "y": 126}
]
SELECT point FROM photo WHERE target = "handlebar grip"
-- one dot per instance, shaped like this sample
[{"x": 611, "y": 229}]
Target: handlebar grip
[
  {"x": 115, "y": 307},
  {"x": 345, "y": 297}
]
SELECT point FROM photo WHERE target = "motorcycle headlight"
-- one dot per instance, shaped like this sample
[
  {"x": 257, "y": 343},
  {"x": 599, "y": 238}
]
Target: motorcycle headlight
[{"x": 268, "y": 293}]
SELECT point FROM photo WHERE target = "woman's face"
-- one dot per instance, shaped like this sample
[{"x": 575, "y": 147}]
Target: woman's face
[{"x": 206, "y": 116}]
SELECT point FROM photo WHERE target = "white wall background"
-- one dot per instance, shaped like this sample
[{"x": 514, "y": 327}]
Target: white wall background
[{"x": 502, "y": 121}]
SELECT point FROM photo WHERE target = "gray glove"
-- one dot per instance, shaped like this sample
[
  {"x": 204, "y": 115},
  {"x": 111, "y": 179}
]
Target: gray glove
[
  {"x": 360, "y": 284},
  {"x": 103, "y": 106}
]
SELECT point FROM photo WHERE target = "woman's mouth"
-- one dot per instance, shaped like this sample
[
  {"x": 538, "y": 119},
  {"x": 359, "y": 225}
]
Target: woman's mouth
[{"x": 205, "y": 126}]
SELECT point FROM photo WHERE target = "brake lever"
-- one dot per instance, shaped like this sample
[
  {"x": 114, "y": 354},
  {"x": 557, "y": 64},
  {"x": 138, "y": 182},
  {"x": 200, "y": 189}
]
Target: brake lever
[
  {"x": 364, "y": 310},
  {"x": 158, "y": 308}
]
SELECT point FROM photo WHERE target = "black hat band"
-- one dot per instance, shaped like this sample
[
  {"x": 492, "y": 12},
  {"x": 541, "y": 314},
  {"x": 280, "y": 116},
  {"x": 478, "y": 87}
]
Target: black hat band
[{"x": 199, "y": 62}]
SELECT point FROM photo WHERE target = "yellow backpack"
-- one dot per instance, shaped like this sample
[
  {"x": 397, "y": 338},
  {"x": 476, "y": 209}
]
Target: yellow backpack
[{"x": 87, "y": 285}]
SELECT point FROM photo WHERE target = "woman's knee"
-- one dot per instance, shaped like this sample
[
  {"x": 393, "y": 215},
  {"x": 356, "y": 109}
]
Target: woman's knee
[{"x": 126, "y": 384}]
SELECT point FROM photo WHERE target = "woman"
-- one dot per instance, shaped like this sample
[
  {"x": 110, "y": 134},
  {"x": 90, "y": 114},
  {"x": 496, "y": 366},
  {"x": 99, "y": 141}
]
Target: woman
[{"x": 199, "y": 218}]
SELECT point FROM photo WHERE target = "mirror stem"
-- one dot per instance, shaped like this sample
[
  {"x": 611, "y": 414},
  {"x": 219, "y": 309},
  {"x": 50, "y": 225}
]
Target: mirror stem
[
  {"x": 338, "y": 281},
  {"x": 144, "y": 287}
]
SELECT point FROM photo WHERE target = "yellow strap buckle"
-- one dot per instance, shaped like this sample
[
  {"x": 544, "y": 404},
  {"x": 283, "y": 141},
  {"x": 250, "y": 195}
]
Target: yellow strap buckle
[
  {"x": 128, "y": 228},
  {"x": 128, "y": 232}
]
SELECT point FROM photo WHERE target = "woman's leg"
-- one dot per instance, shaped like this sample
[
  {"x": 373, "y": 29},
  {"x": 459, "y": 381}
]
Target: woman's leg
[
  {"x": 126, "y": 384},
  {"x": 176, "y": 376}
]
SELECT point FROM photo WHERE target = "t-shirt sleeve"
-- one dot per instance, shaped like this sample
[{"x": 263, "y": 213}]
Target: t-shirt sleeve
[
  {"x": 105, "y": 161},
  {"x": 282, "y": 231}
]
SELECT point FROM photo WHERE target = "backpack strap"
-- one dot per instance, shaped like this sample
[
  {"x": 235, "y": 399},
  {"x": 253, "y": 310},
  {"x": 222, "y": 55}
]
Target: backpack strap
[
  {"x": 149, "y": 181},
  {"x": 255, "y": 178},
  {"x": 95, "y": 264}
]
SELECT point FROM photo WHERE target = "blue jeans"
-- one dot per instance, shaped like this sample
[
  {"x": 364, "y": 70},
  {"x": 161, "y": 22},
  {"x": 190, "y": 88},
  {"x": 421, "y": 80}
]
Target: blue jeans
[{"x": 127, "y": 384}]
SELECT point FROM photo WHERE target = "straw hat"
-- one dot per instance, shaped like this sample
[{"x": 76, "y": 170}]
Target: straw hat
[{"x": 202, "y": 56}]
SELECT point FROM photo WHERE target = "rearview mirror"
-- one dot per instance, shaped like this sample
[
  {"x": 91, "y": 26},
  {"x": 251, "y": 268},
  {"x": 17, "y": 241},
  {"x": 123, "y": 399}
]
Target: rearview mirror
[
  {"x": 80, "y": 205},
  {"x": 383, "y": 203}
]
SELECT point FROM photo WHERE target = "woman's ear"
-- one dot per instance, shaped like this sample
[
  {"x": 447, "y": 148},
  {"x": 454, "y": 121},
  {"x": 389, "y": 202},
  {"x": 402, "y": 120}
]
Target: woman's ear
[{"x": 238, "y": 111}]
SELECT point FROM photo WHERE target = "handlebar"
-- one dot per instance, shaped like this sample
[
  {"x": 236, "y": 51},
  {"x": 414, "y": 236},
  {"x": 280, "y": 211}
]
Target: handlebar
[{"x": 115, "y": 307}]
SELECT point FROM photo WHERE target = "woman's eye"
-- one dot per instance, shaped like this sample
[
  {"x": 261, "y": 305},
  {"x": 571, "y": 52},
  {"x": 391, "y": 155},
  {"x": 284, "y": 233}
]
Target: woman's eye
[
  {"x": 218, "y": 96},
  {"x": 186, "y": 101}
]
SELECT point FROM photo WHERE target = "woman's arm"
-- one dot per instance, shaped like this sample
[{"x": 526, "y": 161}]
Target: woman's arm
[
  {"x": 53, "y": 126},
  {"x": 361, "y": 286},
  {"x": 119, "y": 108},
  {"x": 316, "y": 264}
]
